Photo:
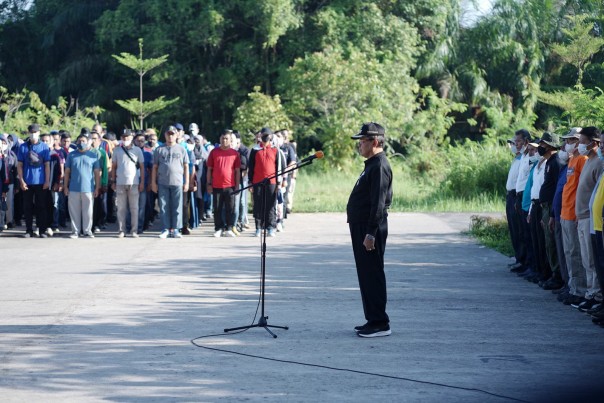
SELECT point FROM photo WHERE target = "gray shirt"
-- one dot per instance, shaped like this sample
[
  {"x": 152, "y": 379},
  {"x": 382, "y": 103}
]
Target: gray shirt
[
  {"x": 127, "y": 170},
  {"x": 170, "y": 164},
  {"x": 587, "y": 182}
]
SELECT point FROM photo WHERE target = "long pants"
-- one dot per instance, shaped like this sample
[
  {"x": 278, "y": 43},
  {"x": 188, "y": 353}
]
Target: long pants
[
  {"x": 550, "y": 241},
  {"x": 127, "y": 200},
  {"x": 49, "y": 208},
  {"x": 54, "y": 221},
  {"x": 538, "y": 238},
  {"x": 370, "y": 271},
  {"x": 264, "y": 201},
  {"x": 513, "y": 219},
  {"x": 170, "y": 206},
  {"x": 224, "y": 202},
  {"x": 18, "y": 205},
  {"x": 597, "y": 243},
  {"x": 587, "y": 257},
  {"x": 80, "y": 212},
  {"x": 63, "y": 210},
  {"x": 34, "y": 202},
  {"x": 186, "y": 209},
  {"x": 110, "y": 202},
  {"x": 142, "y": 205},
  {"x": 10, "y": 202},
  {"x": 560, "y": 249},
  {"x": 291, "y": 190},
  {"x": 98, "y": 215},
  {"x": 525, "y": 233},
  {"x": 572, "y": 251}
]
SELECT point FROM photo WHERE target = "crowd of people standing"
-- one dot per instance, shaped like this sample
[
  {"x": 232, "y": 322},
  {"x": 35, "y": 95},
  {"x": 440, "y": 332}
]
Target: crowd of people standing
[
  {"x": 48, "y": 180},
  {"x": 554, "y": 209}
]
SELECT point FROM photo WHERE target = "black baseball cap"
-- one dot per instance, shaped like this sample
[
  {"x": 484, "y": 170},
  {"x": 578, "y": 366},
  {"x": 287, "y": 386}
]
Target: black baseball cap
[{"x": 370, "y": 129}]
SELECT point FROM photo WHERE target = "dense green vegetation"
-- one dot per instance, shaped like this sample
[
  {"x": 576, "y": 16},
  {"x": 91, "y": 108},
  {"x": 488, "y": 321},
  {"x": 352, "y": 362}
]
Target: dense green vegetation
[{"x": 448, "y": 92}]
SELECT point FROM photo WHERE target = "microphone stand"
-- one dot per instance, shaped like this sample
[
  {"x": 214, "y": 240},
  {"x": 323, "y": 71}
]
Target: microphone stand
[{"x": 263, "y": 321}]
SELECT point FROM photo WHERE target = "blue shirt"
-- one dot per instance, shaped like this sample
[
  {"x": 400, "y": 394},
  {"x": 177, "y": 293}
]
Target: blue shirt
[
  {"x": 82, "y": 166},
  {"x": 557, "y": 203},
  {"x": 33, "y": 158},
  {"x": 526, "y": 195}
]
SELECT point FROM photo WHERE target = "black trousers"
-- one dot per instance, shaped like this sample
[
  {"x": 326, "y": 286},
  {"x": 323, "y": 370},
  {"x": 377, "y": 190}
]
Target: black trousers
[
  {"x": 35, "y": 202},
  {"x": 98, "y": 211},
  {"x": 267, "y": 194},
  {"x": 370, "y": 271},
  {"x": 224, "y": 202},
  {"x": 538, "y": 237},
  {"x": 513, "y": 218},
  {"x": 597, "y": 244}
]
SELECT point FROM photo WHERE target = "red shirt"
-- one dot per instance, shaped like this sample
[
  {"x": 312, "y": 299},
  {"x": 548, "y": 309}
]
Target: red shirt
[
  {"x": 223, "y": 164},
  {"x": 264, "y": 164}
]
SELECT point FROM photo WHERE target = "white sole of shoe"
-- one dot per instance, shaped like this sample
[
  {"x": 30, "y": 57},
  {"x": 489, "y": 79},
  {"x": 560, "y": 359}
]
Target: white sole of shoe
[{"x": 376, "y": 334}]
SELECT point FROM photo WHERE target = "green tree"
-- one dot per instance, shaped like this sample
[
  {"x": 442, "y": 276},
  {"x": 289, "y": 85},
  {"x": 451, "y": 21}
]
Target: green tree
[{"x": 138, "y": 107}]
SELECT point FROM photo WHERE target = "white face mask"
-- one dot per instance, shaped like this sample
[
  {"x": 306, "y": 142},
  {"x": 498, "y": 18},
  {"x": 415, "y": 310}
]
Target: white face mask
[
  {"x": 563, "y": 156},
  {"x": 534, "y": 158},
  {"x": 127, "y": 143},
  {"x": 523, "y": 149},
  {"x": 583, "y": 149},
  {"x": 190, "y": 146},
  {"x": 570, "y": 148},
  {"x": 3, "y": 146},
  {"x": 34, "y": 137},
  {"x": 513, "y": 149}
]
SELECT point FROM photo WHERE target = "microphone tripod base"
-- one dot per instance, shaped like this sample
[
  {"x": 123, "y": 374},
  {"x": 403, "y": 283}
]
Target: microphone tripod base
[{"x": 262, "y": 322}]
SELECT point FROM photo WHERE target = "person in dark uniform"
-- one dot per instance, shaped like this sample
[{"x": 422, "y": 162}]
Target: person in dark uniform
[{"x": 367, "y": 213}]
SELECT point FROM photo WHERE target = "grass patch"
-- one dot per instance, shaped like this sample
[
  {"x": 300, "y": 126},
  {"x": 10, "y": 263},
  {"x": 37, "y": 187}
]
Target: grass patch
[
  {"x": 328, "y": 192},
  {"x": 492, "y": 233}
]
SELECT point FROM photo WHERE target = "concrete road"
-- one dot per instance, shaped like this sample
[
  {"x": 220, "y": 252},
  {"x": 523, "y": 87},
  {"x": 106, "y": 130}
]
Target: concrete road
[{"x": 110, "y": 319}]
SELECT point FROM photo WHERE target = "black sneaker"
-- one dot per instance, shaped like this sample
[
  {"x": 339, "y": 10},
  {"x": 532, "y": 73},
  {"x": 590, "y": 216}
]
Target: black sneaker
[
  {"x": 29, "y": 234},
  {"x": 587, "y": 305},
  {"x": 599, "y": 307},
  {"x": 375, "y": 331},
  {"x": 573, "y": 299},
  {"x": 362, "y": 327}
]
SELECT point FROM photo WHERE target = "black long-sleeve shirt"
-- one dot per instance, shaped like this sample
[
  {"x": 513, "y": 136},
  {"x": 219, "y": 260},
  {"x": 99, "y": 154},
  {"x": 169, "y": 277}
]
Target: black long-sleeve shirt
[
  {"x": 372, "y": 194},
  {"x": 550, "y": 181}
]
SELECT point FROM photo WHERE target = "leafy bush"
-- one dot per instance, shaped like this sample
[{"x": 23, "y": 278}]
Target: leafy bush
[{"x": 493, "y": 233}]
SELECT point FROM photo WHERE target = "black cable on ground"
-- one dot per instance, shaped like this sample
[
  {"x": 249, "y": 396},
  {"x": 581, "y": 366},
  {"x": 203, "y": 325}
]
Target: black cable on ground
[{"x": 193, "y": 341}]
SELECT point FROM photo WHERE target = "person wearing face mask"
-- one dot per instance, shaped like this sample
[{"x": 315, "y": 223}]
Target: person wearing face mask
[
  {"x": 34, "y": 173},
  {"x": 139, "y": 141},
  {"x": 56, "y": 178},
  {"x": 127, "y": 180},
  {"x": 545, "y": 178},
  {"x": 588, "y": 144},
  {"x": 512, "y": 215},
  {"x": 596, "y": 213},
  {"x": 8, "y": 178},
  {"x": 82, "y": 184},
  {"x": 568, "y": 221},
  {"x": 263, "y": 163},
  {"x": 188, "y": 198}
]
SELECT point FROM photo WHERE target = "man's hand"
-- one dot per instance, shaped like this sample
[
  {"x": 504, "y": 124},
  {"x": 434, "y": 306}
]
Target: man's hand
[
  {"x": 66, "y": 191},
  {"x": 154, "y": 187},
  {"x": 209, "y": 188},
  {"x": 369, "y": 243},
  {"x": 23, "y": 185},
  {"x": 141, "y": 187},
  {"x": 46, "y": 186},
  {"x": 185, "y": 187}
]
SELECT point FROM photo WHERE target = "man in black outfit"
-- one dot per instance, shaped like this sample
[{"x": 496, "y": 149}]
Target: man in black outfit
[{"x": 367, "y": 212}]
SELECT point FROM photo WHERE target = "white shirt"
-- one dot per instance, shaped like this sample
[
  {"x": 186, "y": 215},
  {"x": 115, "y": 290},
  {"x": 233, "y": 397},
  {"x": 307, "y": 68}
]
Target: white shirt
[
  {"x": 524, "y": 169},
  {"x": 513, "y": 175},
  {"x": 538, "y": 178}
]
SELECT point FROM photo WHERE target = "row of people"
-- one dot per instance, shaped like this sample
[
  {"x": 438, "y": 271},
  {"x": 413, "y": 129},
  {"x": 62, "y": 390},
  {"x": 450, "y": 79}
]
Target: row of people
[
  {"x": 46, "y": 174},
  {"x": 554, "y": 208}
]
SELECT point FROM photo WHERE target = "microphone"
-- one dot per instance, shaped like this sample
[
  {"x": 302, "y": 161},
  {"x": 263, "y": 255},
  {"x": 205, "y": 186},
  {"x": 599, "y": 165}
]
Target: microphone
[{"x": 318, "y": 154}]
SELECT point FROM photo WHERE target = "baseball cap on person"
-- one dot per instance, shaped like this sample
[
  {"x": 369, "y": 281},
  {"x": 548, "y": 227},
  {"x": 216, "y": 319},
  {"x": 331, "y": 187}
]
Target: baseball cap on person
[
  {"x": 193, "y": 126},
  {"x": 33, "y": 128},
  {"x": 179, "y": 126},
  {"x": 370, "y": 129},
  {"x": 127, "y": 132},
  {"x": 573, "y": 133},
  {"x": 266, "y": 130},
  {"x": 171, "y": 129}
]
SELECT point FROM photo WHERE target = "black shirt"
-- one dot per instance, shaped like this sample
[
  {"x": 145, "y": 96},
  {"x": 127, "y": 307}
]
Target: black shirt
[
  {"x": 550, "y": 180},
  {"x": 372, "y": 194}
]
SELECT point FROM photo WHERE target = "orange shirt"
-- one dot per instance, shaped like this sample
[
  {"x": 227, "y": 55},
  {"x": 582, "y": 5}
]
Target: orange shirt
[{"x": 569, "y": 193}]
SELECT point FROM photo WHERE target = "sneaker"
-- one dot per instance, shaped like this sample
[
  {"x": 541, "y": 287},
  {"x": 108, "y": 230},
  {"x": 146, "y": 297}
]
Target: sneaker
[
  {"x": 246, "y": 226},
  {"x": 375, "y": 331},
  {"x": 134, "y": 235},
  {"x": 89, "y": 235},
  {"x": 573, "y": 299},
  {"x": 176, "y": 234},
  {"x": 164, "y": 234},
  {"x": 97, "y": 230},
  {"x": 279, "y": 227},
  {"x": 271, "y": 232},
  {"x": 49, "y": 232},
  {"x": 171, "y": 234},
  {"x": 218, "y": 234},
  {"x": 587, "y": 305},
  {"x": 234, "y": 231},
  {"x": 120, "y": 235},
  {"x": 362, "y": 327},
  {"x": 560, "y": 290},
  {"x": 257, "y": 233},
  {"x": 28, "y": 234},
  {"x": 186, "y": 231},
  {"x": 43, "y": 235},
  {"x": 55, "y": 230},
  {"x": 553, "y": 284},
  {"x": 73, "y": 235},
  {"x": 230, "y": 233},
  {"x": 599, "y": 307}
]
